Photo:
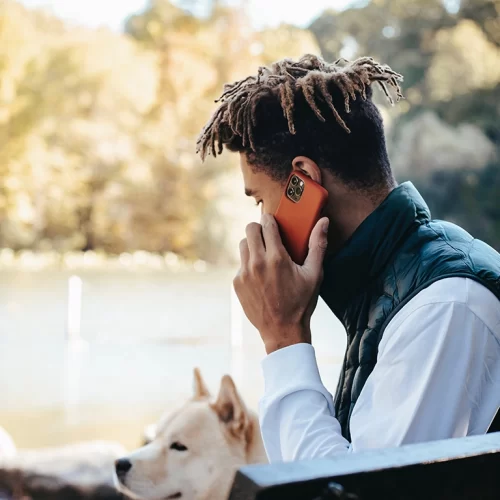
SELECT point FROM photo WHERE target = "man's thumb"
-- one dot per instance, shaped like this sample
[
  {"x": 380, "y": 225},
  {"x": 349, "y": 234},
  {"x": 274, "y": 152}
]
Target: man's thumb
[{"x": 318, "y": 242}]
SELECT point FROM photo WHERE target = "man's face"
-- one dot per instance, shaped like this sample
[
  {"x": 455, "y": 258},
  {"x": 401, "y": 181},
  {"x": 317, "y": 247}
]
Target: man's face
[{"x": 266, "y": 191}]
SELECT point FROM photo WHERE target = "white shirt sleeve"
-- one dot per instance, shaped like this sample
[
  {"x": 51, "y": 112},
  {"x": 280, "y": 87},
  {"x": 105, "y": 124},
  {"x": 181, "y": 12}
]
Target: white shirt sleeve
[
  {"x": 296, "y": 412},
  {"x": 436, "y": 366}
]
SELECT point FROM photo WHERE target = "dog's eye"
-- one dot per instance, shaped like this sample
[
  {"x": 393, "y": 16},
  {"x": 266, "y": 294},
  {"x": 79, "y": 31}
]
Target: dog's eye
[{"x": 177, "y": 446}]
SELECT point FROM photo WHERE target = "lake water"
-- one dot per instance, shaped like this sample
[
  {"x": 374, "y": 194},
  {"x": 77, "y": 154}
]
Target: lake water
[{"x": 143, "y": 333}]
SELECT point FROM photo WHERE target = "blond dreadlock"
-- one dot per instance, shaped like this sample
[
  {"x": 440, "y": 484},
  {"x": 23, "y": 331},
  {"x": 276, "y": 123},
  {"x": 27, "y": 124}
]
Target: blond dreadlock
[{"x": 311, "y": 75}]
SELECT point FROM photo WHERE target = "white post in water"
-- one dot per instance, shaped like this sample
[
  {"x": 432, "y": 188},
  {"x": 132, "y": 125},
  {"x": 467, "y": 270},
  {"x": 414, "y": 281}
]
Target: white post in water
[
  {"x": 74, "y": 350},
  {"x": 74, "y": 312},
  {"x": 236, "y": 339}
]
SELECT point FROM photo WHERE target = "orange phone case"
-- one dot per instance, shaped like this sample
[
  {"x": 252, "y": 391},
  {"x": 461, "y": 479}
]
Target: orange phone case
[{"x": 296, "y": 218}]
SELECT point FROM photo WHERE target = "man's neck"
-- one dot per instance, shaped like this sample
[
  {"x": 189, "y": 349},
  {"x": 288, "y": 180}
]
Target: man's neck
[{"x": 348, "y": 208}]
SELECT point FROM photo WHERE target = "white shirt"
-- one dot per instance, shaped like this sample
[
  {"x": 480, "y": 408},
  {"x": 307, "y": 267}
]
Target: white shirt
[{"x": 437, "y": 376}]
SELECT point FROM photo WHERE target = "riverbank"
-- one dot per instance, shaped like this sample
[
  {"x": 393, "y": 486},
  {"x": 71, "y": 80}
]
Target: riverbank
[{"x": 28, "y": 260}]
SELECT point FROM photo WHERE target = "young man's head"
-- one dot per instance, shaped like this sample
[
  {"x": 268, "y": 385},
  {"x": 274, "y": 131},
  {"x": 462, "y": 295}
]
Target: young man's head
[{"x": 309, "y": 115}]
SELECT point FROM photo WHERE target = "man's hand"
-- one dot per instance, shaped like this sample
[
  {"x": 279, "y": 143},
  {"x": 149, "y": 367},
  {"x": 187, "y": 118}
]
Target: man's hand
[{"x": 277, "y": 295}]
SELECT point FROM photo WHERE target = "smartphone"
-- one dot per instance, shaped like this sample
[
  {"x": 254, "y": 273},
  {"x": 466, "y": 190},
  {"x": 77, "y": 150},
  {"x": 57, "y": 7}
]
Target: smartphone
[{"x": 298, "y": 212}]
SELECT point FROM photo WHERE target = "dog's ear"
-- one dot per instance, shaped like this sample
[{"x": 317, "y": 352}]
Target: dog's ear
[
  {"x": 148, "y": 434},
  {"x": 230, "y": 407},
  {"x": 199, "y": 386}
]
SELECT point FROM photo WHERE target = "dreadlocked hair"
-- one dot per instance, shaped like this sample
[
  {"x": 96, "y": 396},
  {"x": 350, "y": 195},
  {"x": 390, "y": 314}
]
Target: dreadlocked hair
[{"x": 306, "y": 107}]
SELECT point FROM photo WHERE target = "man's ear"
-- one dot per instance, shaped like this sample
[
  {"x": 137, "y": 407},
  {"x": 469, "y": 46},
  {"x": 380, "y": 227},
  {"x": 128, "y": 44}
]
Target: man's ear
[
  {"x": 308, "y": 167},
  {"x": 230, "y": 408},
  {"x": 199, "y": 387}
]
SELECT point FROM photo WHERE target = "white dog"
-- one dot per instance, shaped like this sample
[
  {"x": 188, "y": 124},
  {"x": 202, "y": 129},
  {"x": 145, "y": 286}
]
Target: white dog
[{"x": 196, "y": 450}]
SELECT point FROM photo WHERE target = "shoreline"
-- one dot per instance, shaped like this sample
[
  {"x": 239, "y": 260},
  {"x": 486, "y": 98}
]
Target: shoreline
[{"x": 140, "y": 260}]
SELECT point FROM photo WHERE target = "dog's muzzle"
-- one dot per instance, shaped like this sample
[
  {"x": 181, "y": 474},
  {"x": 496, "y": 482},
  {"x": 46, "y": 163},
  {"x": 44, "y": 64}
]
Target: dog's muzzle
[{"x": 122, "y": 466}]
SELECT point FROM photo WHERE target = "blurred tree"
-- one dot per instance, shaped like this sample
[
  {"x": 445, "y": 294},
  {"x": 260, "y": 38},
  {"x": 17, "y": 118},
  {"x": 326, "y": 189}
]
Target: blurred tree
[
  {"x": 468, "y": 198},
  {"x": 195, "y": 58},
  {"x": 486, "y": 14},
  {"x": 397, "y": 31},
  {"x": 97, "y": 129},
  {"x": 189, "y": 74}
]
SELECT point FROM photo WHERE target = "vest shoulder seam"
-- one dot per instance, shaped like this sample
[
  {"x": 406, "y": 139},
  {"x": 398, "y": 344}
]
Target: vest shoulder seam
[{"x": 469, "y": 275}]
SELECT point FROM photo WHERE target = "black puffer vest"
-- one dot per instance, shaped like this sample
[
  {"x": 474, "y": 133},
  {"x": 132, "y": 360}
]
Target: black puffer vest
[{"x": 395, "y": 253}]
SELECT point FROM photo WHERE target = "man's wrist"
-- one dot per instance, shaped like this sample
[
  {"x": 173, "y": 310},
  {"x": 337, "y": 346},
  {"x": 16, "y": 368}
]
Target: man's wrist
[{"x": 285, "y": 337}]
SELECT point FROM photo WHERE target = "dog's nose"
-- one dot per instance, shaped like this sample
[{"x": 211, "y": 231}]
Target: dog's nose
[{"x": 122, "y": 466}]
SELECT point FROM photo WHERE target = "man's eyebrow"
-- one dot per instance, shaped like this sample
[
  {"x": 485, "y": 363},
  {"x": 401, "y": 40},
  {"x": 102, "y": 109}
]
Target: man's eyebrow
[{"x": 250, "y": 192}]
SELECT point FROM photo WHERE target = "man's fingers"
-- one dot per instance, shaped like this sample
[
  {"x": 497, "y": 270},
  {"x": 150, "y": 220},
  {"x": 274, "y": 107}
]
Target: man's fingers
[
  {"x": 244, "y": 252},
  {"x": 243, "y": 270},
  {"x": 255, "y": 241},
  {"x": 271, "y": 235},
  {"x": 318, "y": 242}
]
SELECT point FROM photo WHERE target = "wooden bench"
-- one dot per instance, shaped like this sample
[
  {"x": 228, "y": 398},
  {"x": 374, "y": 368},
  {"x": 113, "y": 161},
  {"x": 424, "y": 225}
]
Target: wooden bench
[{"x": 454, "y": 469}]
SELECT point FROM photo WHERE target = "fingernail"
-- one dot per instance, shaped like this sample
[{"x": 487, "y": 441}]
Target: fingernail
[
  {"x": 326, "y": 224},
  {"x": 264, "y": 220}
]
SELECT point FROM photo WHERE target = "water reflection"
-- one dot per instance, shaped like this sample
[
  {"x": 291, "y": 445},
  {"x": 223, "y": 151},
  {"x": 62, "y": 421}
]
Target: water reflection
[{"x": 143, "y": 333}]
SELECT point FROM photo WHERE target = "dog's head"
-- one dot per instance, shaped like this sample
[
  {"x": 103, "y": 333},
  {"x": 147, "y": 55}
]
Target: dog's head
[{"x": 195, "y": 450}]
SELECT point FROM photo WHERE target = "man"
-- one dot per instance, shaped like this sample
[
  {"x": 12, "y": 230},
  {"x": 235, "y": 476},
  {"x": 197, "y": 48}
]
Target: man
[{"x": 419, "y": 299}]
